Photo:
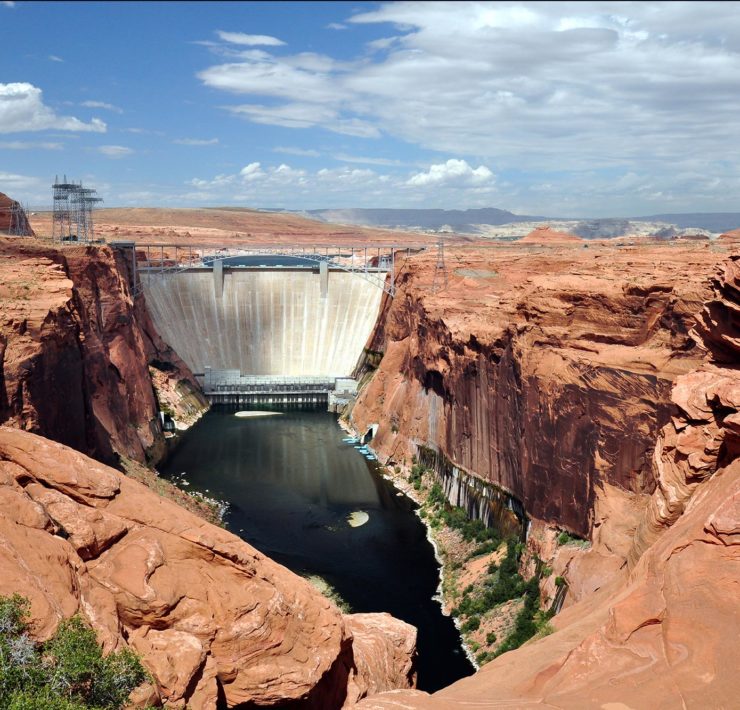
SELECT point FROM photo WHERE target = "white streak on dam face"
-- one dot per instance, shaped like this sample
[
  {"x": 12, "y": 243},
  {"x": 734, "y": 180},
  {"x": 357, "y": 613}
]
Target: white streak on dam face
[{"x": 266, "y": 322}]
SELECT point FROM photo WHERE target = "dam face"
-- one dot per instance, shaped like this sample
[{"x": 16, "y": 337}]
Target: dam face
[{"x": 271, "y": 322}]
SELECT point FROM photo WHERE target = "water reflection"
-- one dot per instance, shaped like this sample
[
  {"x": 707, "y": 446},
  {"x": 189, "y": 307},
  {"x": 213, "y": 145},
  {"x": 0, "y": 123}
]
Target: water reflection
[{"x": 294, "y": 489}]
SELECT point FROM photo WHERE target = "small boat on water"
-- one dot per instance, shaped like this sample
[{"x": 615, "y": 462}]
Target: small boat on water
[{"x": 351, "y": 440}]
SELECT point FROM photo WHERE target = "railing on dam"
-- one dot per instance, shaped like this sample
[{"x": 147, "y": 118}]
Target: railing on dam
[{"x": 365, "y": 260}]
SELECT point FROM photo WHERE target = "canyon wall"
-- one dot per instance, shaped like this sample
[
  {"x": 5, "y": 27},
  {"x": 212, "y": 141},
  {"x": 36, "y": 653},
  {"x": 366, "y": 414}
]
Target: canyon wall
[
  {"x": 75, "y": 349},
  {"x": 659, "y": 630},
  {"x": 546, "y": 372},
  {"x": 266, "y": 322},
  {"x": 214, "y": 620}
]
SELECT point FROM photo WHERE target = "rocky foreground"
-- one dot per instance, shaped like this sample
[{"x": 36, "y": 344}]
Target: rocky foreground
[{"x": 211, "y": 617}]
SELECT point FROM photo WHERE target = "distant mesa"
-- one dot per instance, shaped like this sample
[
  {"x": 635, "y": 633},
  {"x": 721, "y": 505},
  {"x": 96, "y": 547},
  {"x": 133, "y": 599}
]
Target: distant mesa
[
  {"x": 732, "y": 236},
  {"x": 546, "y": 235}
]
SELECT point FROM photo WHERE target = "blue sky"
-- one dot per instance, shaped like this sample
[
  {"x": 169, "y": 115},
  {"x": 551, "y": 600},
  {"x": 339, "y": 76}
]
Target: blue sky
[{"x": 563, "y": 109}]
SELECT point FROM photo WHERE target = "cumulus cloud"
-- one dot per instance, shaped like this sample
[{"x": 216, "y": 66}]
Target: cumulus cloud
[
  {"x": 249, "y": 40},
  {"x": 543, "y": 88},
  {"x": 455, "y": 173},
  {"x": 22, "y": 109},
  {"x": 253, "y": 171},
  {"x": 103, "y": 105},
  {"x": 278, "y": 185},
  {"x": 115, "y": 151}
]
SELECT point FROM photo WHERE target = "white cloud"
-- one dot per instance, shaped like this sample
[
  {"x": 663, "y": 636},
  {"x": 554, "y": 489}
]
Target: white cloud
[
  {"x": 455, "y": 173},
  {"x": 29, "y": 145},
  {"x": 272, "y": 186},
  {"x": 22, "y": 109},
  {"x": 196, "y": 141},
  {"x": 542, "y": 89},
  {"x": 253, "y": 171},
  {"x": 54, "y": 58},
  {"x": 115, "y": 151},
  {"x": 288, "y": 150},
  {"x": 249, "y": 40},
  {"x": 103, "y": 105},
  {"x": 336, "y": 26},
  {"x": 344, "y": 158},
  {"x": 8, "y": 3},
  {"x": 18, "y": 182}
]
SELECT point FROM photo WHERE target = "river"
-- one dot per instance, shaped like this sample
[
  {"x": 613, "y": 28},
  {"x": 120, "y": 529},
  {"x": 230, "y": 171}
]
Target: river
[{"x": 292, "y": 485}]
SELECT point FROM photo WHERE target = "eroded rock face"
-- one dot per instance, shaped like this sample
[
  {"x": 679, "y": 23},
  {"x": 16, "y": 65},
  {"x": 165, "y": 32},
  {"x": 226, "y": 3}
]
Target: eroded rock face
[
  {"x": 705, "y": 434},
  {"x": 209, "y": 614},
  {"x": 545, "y": 373},
  {"x": 13, "y": 219},
  {"x": 659, "y": 632},
  {"x": 664, "y": 638},
  {"x": 74, "y": 352}
]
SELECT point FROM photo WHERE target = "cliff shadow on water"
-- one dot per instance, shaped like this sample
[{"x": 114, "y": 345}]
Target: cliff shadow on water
[{"x": 312, "y": 502}]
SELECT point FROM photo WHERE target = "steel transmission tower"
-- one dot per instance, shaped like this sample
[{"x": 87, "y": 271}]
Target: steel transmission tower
[{"x": 440, "y": 272}]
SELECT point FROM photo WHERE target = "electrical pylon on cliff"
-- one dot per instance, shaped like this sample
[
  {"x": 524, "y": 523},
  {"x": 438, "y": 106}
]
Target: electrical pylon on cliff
[{"x": 440, "y": 272}]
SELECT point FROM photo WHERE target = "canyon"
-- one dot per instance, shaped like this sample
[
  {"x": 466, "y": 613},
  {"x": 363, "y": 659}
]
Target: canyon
[{"x": 592, "y": 387}]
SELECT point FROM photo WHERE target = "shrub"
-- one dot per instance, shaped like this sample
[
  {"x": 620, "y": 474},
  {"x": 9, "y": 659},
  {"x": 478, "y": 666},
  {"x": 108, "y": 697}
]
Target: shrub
[
  {"x": 472, "y": 624},
  {"x": 436, "y": 495},
  {"x": 68, "y": 672},
  {"x": 482, "y": 658},
  {"x": 490, "y": 638}
]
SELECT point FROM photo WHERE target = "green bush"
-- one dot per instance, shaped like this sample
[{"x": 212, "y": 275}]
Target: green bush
[
  {"x": 483, "y": 657},
  {"x": 472, "y": 624},
  {"x": 436, "y": 495},
  {"x": 490, "y": 638},
  {"x": 68, "y": 672},
  {"x": 417, "y": 471}
]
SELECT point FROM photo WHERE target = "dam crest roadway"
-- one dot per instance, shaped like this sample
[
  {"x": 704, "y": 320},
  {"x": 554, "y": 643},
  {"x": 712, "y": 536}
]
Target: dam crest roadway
[{"x": 266, "y": 324}]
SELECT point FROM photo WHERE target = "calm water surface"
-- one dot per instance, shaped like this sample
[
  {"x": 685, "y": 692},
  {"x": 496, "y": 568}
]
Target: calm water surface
[{"x": 292, "y": 483}]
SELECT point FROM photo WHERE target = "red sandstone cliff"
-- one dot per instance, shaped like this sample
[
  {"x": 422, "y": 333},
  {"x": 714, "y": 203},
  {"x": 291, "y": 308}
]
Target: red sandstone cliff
[
  {"x": 13, "y": 219},
  {"x": 74, "y": 352},
  {"x": 210, "y": 615},
  {"x": 548, "y": 235},
  {"x": 661, "y": 632},
  {"x": 548, "y": 375}
]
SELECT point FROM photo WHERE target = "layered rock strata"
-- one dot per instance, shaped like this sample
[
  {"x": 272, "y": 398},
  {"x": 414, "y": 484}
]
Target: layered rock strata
[
  {"x": 546, "y": 373},
  {"x": 213, "y": 619},
  {"x": 659, "y": 632},
  {"x": 74, "y": 353}
]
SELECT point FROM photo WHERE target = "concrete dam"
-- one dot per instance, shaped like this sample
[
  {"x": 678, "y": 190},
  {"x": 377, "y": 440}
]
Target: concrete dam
[{"x": 269, "y": 330}]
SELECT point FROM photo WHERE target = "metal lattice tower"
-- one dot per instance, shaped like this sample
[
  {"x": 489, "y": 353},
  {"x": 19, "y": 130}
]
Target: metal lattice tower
[
  {"x": 73, "y": 207},
  {"x": 440, "y": 272},
  {"x": 61, "y": 227}
]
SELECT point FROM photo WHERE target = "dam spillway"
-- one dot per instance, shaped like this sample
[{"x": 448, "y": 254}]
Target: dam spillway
[{"x": 265, "y": 322}]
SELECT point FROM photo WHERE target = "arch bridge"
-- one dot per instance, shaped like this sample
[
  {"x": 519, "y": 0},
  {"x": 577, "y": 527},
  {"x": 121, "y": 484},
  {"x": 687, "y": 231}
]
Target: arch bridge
[{"x": 365, "y": 260}]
